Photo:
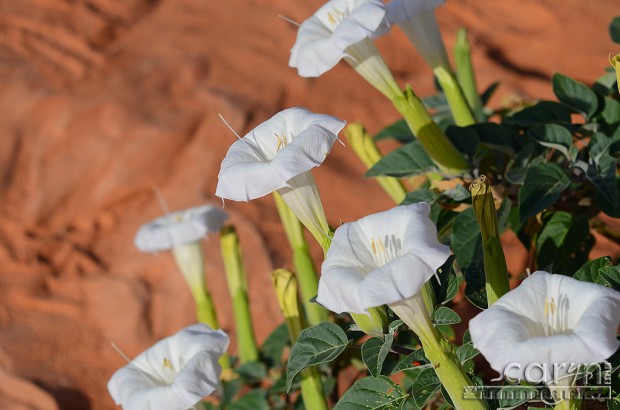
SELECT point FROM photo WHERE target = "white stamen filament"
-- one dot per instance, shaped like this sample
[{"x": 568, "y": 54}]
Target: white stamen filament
[
  {"x": 556, "y": 315},
  {"x": 385, "y": 250}
]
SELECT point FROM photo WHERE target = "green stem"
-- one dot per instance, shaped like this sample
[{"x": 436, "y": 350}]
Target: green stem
[
  {"x": 367, "y": 150},
  {"x": 466, "y": 75},
  {"x": 438, "y": 351},
  {"x": 237, "y": 286},
  {"x": 495, "y": 269},
  {"x": 563, "y": 393},
  {"x": 433, "y": 140},
  {"x": 285, "y": 285},
  {"x": 459, "y": 107},
  {"x": 304, "y": 266},
  {"x": 205, "y": 310}
]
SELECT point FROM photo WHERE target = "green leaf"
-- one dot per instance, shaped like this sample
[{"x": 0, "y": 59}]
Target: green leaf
[
  {"x": 415, "y": 360},
  {"x": 420, "y": 195},
  {"x": 318, "y": 344},
  {"x": 425, "y": 386},
  {"x": 543, "y": 112},
  {"x": 466, "y": 238},
  {"x": 614, "y": 30},
  {"x": 563, "y": 242},
  {"x": 541, "y": 189},
  {"x": 591, "y": 271},
  {"x": 407, "y": 160},
  {"x": 274, "y": 345},
  {"x": 253, "y": 400},
  {"x": 475, "y": 290},
  {"x": 393, "y": 327},
  {"x": 575, "y": 94},
  {"x": 465, "y": 139},
  {"x": 466, "y": 352},
  {"x": 445, "y": 316},
  {"x": 488, "y": 93},
  {"x": 399, "y": 131},
  {"x": 495, "y": 135},
  {"x": 448, "y": 285},
  {"x": 553, "y": 136},
  {"x": 513, "y": 396},
  {"x": 251, "y": 372},
  {"x": 372, "y": 393},
  {"x": 611, "y": 112},
  {"x": 374, "y": 352}
]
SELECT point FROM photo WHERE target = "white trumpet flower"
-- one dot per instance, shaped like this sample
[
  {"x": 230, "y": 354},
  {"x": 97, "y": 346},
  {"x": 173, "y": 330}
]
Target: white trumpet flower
[
  {"x": 382, "y": 259},
  {"x": 278, "y": 155},
  {"x": 417, "y": 20},
  {"x": 344, "y": 29},
  {"x": 548, "y": 326},
  {"x": 174, "y": 374}
]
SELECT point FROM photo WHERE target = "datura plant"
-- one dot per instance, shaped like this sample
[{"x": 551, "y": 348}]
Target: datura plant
[{"x": 411, "y": 307}]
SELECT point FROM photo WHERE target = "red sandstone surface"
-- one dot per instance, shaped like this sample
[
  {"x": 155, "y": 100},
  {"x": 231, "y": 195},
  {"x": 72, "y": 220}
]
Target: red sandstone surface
[{"x": 101, "y": 100}]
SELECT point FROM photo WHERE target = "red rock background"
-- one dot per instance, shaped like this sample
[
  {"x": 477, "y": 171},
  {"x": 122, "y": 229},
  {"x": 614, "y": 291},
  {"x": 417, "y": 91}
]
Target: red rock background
[{"x": 101, "y": 100}]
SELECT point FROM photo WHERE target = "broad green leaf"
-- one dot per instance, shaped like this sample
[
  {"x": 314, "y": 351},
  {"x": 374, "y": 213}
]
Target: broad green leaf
[
  {"x": 436, "y": 102},
  {"x": 575, "y": 94},
  {"x": 543, "y": 112},
  {"x": 372, "y": 393},
  {"x": 521, "y": 161},
  {"x": 274, "y": 345},
  {"x": 488, "y": 93},
  {"x": 230, "y": 389},
  {"x": 604, "y": 178},
  {"x": 591, "y": 271},
  {"x": 495, "y": 135},
  {"x": 415, "y": 360},
  {"x": 447, "y": 287},
  {"x": 253, "y": 400},
  {"x": 458, "y": 194},
  {"x": 465, "y": 139},
  {"x": 374, "y": 352},
  {"x": 553, "y": 136},
  {"x": 606, "y": 84},
  {"x": 318, "y": 344},
  {"x": 466, "y": 239},
  {"x": 420, "y": 195},
  {"x": 475, "y": 290},
  {"x": 399, "y": 131},
  {"x": 601, "y": 145},
  {"x": 513, "y": 396},
  {"x": 425, "y": 386},
  {"x": 445, "y": 316},
  {"x": 541, "y": 189},
  {"x": 614, "y": 30},
  {"x": 611, "y": 112},
  {"x": 251, "y": 372},
  {"x": 563, "y": 242},
  {"x": 407, "y": 160},
  {"x": 466, "y": 352},
  {"x": 393, "y": 327}
]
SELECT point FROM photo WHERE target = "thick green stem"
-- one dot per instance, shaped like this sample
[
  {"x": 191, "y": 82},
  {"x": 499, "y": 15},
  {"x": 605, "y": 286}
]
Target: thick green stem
[
  {"x": 466, "y": 75},
  {"x": 366, "y": 149},
  {"x": 459, "y": 107},
  {"x": 438, "y": 351},
  {"x": 495, "y": 269},
  {"x": 237, "y": 286},
  {"x": 285, "y": 285},
  {"x": 304, "y": 266},
  {"x": 564, "y": 393},
  {"x": 433, "y": 140},
  {"x": 190, "y": 260},
  {"x": 375, "y": 323}
]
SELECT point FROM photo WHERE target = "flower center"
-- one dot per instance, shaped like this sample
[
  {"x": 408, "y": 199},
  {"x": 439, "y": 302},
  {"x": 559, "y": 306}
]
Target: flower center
[
  {"x": 167, "y": 371},
  {"x": 556, "y": 316},
  {"x": 386, "y": 249},
  {"x": 282, "y": 142},
  {"x": 335, "y": 17}
]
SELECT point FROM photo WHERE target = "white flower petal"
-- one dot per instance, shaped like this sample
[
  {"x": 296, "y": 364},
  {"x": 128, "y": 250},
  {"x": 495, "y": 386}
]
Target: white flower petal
[
  {"x": 179, "y": 228},
  {"x": 174, "y": 374},
  {"x": 380, "y": 259},
  {"x": 322, "y": 40},
  {"x": 290, "y": 143},
  {"x": 548, "y": 319}
]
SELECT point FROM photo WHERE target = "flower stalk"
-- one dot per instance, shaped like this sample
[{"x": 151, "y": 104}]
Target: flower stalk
[
  {"x": 495, "y": 269},
  {"x": 304, "y": 266},
  {"x": 237, "y": 286},
  {"x": 285, "y": 285},
  {"x": 434, "y": 141},
  {"x": 461, "y": 112},
  {"x": 615, "y": 63},
  {"x": 465, "y": 73},
  {"x": 438, "y": 351},
  {"x": 366, "y": 149}
]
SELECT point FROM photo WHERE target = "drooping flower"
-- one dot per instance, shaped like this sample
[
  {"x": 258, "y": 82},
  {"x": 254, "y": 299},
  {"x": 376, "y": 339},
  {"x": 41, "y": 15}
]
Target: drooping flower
[
  {"x": 381, "y": 259},
  {"x": 179, "y": 228},
  {"x": 542, "y": 330},
  {"x": 174, "y": 374},
  {"x": 181, "y": 232},
  {"x": 344, "y": 29},
  {"x": 278, "y": 155},
  {"x": 417, "y": 20}
]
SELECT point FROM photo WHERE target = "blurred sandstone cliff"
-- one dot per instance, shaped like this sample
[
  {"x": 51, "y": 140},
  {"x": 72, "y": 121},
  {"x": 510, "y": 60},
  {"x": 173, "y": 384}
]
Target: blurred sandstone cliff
[{"x": 101, "y": 100}]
